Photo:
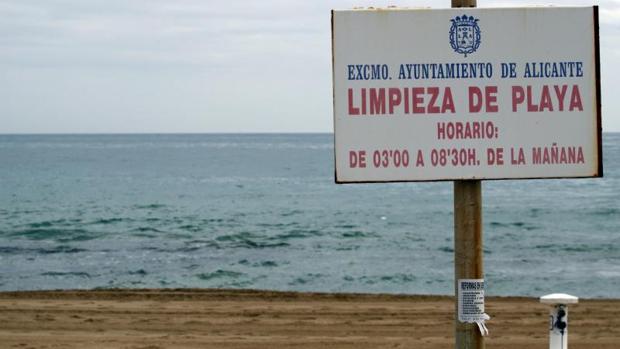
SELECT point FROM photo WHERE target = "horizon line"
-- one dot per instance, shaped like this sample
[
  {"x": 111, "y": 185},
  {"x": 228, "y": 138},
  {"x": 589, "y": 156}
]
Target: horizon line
[
  {"x": 179, "y": 133},
  {"x": 158, "y": 133}
]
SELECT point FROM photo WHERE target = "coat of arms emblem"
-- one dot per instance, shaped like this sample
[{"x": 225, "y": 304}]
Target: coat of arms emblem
[{"x": 464, "y": 34}]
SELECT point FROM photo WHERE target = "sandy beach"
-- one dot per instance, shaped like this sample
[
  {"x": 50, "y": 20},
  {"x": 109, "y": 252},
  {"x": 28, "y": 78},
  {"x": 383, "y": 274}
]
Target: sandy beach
[{"x": 191, "y": 318}]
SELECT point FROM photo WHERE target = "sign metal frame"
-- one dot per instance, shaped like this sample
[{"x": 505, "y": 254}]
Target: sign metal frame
[{"x": 597, "y": 169}]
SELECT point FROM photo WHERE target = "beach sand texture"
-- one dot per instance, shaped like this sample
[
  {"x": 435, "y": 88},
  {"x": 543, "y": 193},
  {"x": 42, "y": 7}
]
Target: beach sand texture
[{"x": 150, "y": 319}]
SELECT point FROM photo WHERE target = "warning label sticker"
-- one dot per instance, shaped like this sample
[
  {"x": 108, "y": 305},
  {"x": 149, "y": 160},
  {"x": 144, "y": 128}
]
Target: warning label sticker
[{"x": 471, "y": 300}]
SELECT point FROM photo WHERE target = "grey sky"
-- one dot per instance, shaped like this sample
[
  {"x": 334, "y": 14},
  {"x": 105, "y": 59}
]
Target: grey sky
[{"x": 99, "y": 66}]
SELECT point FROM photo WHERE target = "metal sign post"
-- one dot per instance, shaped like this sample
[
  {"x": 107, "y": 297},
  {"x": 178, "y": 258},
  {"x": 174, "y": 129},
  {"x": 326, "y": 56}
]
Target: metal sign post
[
  {"x": 468, "y": 262},
  {"x": 468, "y": 252}
]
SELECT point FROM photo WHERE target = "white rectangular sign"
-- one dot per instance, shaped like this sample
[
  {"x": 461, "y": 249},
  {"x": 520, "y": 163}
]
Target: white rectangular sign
[
  {"x": 471, "y": 300},
  {"x": 466, "y": 94}
]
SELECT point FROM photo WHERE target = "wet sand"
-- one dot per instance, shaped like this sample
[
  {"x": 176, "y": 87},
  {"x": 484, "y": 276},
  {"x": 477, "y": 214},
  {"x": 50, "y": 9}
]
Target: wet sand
[{"x": 151, "y": 319}]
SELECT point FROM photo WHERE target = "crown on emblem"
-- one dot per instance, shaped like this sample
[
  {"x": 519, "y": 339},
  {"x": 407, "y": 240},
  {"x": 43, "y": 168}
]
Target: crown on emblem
[{"x": 464, "y": 20}]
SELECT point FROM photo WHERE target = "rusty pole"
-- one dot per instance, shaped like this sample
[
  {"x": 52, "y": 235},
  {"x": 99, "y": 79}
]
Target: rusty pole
[
  {"x": 463, "y": 3},
  {"x": 468, "y": 262}
]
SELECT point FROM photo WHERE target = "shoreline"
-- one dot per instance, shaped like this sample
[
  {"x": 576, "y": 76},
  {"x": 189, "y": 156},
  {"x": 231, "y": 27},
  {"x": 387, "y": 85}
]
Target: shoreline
[
  {"x": 194, "y": 293},
  {"x": 224, "y": 318},
  {"x": 210, "y": 293}
]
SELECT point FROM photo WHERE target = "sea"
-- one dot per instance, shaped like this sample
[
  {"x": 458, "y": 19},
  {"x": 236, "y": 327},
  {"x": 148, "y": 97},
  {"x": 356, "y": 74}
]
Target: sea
[{"x": 262, "y": 211}]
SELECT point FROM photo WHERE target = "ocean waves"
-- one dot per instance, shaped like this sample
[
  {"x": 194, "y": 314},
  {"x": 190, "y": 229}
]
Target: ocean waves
[{"x": 262, "y": 211}]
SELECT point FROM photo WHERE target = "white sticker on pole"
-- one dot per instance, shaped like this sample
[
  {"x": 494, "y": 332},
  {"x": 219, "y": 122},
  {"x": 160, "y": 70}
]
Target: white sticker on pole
[{"x": 471, "y": 303}]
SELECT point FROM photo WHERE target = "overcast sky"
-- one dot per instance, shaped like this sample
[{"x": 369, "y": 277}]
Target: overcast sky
[{"x": 125, "y": 66}]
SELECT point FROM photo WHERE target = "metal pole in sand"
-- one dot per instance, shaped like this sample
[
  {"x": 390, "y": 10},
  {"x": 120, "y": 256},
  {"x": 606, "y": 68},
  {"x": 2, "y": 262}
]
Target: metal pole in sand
[
  {"x": 468, "y": 263},
  {"x": 558, "y": 318}
]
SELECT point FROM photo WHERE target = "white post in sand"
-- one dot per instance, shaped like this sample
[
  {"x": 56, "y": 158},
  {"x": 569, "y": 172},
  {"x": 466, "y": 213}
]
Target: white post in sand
[{"x": 558, "y": 318}]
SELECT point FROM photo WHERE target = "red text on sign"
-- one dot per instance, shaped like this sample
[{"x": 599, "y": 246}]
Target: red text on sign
[
  {"x": 547, "y": 98},
  {"x": 406, "y": 100}
]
